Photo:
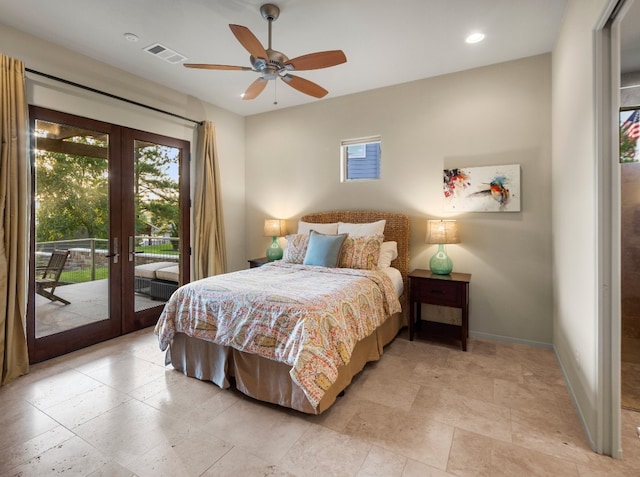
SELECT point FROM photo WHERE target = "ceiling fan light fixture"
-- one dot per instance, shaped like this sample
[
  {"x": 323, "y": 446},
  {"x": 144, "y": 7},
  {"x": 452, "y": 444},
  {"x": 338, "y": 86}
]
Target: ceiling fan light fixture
[
  {"x": 272, "y": 64},
  {"x": 475, "y": 38},
  {"x": 270, "y": 73},
  {"x": 258, "y": 63}
]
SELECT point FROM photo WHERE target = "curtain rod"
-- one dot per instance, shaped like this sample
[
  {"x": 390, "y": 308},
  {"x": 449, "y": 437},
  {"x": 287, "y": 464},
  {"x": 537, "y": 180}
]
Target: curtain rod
[{"x": 113, "y": 96}]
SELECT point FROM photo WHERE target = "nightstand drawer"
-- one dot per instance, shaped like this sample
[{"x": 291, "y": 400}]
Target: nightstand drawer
[{"x": 437, "y": 292}]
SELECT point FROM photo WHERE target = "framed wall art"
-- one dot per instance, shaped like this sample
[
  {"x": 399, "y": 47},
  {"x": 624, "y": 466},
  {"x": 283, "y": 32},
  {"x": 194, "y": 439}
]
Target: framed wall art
[{"x": 482, "y": 189}]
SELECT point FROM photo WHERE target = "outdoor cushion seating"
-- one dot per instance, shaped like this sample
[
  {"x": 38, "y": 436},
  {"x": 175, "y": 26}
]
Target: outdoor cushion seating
[
  {"x": 165, "y": 283},
  {"x": 162, "y": 290},
  {"x": 147, "y": 272},
  {"x": 170, "y": 274}
]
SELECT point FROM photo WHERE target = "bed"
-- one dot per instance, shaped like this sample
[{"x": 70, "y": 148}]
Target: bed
[{"x": 273, "y": 373}]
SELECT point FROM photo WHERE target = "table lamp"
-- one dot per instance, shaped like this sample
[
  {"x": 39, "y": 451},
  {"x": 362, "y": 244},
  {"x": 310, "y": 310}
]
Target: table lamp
[
  {"x": 441, "y": 232},
  {"x": 274, "y": 228}
]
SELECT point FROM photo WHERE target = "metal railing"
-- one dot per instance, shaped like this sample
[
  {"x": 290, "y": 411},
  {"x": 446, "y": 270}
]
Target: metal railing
[{"x": 88, "y": 259}]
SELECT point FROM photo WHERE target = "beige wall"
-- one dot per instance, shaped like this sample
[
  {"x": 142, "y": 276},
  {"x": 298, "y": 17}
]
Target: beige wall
[
  {"x": 574, "y": 206},
  {"x": 48, "y": 58},
  {"x": 499, "y": 114}
]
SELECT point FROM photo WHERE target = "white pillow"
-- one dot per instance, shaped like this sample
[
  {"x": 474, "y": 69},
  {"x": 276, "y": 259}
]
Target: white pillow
[
  {"x": 360, "y": 230},
  {"x": 388, "y": 253},
  {"x": 306, "y": 227}
]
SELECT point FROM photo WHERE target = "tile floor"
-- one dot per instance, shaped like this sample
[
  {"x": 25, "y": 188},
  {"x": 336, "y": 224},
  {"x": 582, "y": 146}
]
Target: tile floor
[{"x": 424, "y": 409}]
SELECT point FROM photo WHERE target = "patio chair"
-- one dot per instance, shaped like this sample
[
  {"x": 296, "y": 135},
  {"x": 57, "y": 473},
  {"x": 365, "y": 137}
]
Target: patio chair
[{"x": 50, "y": 279}]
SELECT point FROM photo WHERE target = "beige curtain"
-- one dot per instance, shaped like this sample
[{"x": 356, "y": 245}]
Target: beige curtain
[
  {"x": 209, "y": 245},
  {"x": 14, "y": 219}
]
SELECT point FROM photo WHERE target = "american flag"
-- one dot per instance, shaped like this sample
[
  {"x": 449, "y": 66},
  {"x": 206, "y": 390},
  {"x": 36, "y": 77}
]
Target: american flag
[{"x": 631, "y": 126}]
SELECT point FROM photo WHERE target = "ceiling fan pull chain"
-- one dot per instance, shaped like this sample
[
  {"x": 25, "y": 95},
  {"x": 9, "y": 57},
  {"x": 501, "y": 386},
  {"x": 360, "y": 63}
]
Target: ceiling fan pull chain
[{"x": 275, "y": 93}]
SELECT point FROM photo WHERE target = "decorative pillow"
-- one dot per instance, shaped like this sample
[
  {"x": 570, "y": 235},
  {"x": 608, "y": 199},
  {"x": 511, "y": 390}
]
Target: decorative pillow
[
  {"x": 361, "y": 252},
  {"x": 323, "y": 250},
  {"x": 296, "y": 248},
  {"x": 306, "y": 227},
  {"x": 360, "y": 230},
  {"x": 388, "y": 253}
]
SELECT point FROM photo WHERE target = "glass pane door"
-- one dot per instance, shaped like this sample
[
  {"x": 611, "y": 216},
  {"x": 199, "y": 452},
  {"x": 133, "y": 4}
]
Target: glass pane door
[
  {"x": 156, "y": 240},
  {"x": 110, "y": 230},
  {"x": 156, "y": 256},
  {"x": 72, "y": 250},
  {"x": 72, "y": 216}
]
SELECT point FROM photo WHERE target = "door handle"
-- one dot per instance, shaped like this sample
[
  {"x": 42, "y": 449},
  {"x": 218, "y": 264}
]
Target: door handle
[
  {"x": 115, "y": 253},
  {"x": 132, "y": 248}
]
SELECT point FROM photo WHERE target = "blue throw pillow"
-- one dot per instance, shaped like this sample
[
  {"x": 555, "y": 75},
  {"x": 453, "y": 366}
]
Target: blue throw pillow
[{"x": 324, "y": 250}]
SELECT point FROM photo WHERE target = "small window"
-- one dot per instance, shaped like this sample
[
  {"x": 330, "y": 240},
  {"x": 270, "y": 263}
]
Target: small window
[{"x": 360, "y": 159}]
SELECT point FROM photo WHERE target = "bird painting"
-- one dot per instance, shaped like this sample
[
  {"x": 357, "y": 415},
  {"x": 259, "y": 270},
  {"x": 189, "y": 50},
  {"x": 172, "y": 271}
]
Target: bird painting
[
  {"x": 483, "y": 189},
  {"x": 454, "y": 179},
  {"x": 497, "y": 190}
]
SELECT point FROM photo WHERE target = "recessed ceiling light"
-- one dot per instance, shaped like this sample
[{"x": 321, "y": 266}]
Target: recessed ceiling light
[
  {"x": 475, "y": 38},
  {"x": 131, "y": 37}
]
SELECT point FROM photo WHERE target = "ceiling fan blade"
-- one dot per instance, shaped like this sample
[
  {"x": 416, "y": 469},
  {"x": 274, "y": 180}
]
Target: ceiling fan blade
[
  {"x": 205, "y": 66},
  {"x": 249, "y": 41},
  {"x": 255, "y": 88},
  {"x": 305, "y": 86},
  {"x": 315, "y": 61}
]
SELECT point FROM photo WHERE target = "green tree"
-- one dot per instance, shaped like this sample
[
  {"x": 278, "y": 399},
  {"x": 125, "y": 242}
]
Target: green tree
[
  {"x": 157, "y": 193},
  {"x": 72, "y": 197},
  {"x": 627, "y": 146}
]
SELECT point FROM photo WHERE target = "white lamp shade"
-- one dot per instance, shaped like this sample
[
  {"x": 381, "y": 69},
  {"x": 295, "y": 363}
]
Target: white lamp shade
[
  {"x": 275, "y": 228},
  {"x": 442, "y": 232}
]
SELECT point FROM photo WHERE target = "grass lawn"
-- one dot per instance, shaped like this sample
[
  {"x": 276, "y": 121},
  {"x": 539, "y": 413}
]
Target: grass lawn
[
  {"x": 81, "y": 276},
  {"x": 163, "y": 249}
]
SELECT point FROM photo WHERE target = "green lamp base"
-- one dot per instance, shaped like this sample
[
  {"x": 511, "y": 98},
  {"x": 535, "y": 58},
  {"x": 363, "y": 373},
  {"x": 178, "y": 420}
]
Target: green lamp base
[
  {"x": 440, "y": 263},
  {"x": 274, "y": 251}
]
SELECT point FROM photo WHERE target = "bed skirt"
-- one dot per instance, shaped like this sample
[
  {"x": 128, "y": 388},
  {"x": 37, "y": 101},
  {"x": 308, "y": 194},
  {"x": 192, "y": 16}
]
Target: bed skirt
[{"x": 268, "y": 380}]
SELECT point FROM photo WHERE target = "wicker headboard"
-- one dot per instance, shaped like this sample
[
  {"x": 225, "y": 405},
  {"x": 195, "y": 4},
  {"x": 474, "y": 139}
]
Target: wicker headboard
[{"x": 396, "y": 229}]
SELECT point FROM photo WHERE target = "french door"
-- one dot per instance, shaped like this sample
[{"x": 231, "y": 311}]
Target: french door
[{"x": 116, "y": 202}]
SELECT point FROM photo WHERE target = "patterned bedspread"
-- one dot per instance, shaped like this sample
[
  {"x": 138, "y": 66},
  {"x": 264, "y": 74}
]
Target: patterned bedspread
[{"x": 307, "y": 317}]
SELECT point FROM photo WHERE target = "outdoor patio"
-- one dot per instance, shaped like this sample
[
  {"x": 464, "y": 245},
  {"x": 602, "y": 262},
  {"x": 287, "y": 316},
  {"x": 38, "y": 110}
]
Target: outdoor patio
[{"x": 89, "y": 303}]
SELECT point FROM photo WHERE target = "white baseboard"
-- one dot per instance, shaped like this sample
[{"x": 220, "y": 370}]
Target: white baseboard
[
  {"x": 592, "y": 443},
  {"x": 508, "y": 339}
]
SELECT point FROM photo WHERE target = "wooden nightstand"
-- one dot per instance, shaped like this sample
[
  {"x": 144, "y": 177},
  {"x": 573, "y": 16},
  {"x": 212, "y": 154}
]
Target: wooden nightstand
[
  {"x": 443, "y": 290},
  {"x": 257, "y": 262}
]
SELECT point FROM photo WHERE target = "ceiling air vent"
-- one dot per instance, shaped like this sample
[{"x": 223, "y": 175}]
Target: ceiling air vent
[{"x": 164, "y": 53}]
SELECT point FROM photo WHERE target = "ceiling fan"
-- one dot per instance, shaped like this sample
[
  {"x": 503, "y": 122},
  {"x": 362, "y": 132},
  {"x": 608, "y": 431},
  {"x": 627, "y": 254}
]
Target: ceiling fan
[{"x": 272, "y": 64}]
